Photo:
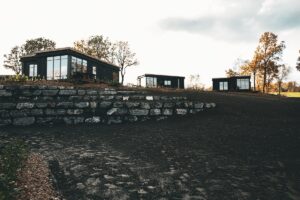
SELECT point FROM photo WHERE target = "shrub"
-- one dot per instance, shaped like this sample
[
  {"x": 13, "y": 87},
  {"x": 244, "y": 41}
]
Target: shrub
[{"x": 12, "y": 156}]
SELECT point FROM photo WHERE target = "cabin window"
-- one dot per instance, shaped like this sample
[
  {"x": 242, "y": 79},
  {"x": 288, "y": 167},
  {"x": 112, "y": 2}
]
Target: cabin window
[
  {"x": 243, "y": 84},
  {"x": 223, "y": 85},
  {"x": 57, "y": 67},
  {"x": 32, "y": 70},
  {"x": 94, "y": 72},
  {"x": 151, "y": 81},
  {"x": 167, "y": 83},
  {"x": 78, "y": 65}
]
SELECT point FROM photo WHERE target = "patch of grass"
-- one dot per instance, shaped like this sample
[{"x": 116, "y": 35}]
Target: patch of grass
[
  {"x": 12, "y": 157},
  {"x": 288, "y": 94}
]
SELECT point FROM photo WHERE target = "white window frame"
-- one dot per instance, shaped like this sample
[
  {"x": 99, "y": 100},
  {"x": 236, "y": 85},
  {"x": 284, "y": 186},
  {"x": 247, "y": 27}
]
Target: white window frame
[
  {"x": 32, "y": 70},
  {"x": 223, "y": 85},
  {"x": 167, "y": 82}
]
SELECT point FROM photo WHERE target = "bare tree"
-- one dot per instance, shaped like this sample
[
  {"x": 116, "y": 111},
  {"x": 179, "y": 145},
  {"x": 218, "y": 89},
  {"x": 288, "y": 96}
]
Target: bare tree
[
  {"x": 12, "y": 60},
  {"x": 283, "y": 72},
  {"x": 124, "y": 58},
  {"x": 298, "y": 63},
  {"x": 230, "y": 73}
]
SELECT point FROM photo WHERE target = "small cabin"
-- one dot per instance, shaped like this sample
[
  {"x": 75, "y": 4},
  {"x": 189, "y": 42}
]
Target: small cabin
[
  {"x": 160, "y": 81},
  {"x": 235, "y": 83},
  {"x": 68, "y": 63}
]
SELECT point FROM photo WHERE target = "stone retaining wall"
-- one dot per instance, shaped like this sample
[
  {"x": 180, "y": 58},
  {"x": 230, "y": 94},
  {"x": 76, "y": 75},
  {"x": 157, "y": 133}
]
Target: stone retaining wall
[{"x": 27, "y": 105}]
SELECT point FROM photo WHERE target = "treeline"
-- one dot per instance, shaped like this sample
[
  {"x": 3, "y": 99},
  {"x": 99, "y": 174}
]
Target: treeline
[
  {"x": 266, "y": 65},
  {"x": 98, "y": 46}
]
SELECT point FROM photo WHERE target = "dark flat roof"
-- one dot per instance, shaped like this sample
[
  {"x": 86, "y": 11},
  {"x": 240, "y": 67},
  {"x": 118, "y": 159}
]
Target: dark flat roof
[
  {"x": 69, "y": 49},
  {"x": 232, "y": 77},
  {"x": 160, "y": 75}
]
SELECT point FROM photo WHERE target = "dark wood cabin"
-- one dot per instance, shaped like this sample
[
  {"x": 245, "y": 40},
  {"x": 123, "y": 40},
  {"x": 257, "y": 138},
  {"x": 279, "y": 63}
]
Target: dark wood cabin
[
  {"x": 68, "y": 63},
  {"x": 155, "y": 81},
  {"x": 235, "y": 83}
]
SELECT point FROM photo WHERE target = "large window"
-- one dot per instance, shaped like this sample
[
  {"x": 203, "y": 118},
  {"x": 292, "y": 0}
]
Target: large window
[
  {"x": 78, "y": 65},
  {"x": 57, "y": 67},
  {"x": 32, "y": 70},
  {"x": 243, "y": 84},
  {"x": 223, "y": 85},
  {"x": 151, "y": 81},
  {"x": 167, "y": 83},
  {"x": 94, "y": 72}
]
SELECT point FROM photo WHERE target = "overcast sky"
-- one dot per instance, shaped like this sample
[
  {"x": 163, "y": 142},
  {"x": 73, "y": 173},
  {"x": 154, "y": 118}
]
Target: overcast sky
[{"x": 172, "y": 37}]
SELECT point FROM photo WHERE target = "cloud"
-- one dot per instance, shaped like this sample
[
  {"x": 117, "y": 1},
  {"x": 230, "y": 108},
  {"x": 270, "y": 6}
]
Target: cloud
[{"x": 240, "y": 20}]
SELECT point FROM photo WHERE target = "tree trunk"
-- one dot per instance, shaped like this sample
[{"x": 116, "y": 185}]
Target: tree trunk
[
  {"x": 254, "y": 81},
  {"x": 265, "y": 80},
  {"x": 279, "y": 88},
  {"x": 122, "y": 79}
]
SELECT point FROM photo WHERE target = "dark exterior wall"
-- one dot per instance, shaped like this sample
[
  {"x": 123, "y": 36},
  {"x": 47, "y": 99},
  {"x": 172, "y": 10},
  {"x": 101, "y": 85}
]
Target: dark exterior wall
[
  {"x": 105, "y": 72},
  {"x": 232, "y": 83},
  {"x": 173, "y": 79}
]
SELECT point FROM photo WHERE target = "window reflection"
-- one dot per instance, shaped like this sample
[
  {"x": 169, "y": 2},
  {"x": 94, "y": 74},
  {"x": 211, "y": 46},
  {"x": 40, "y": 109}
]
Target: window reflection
[{"x": 57, "y": 67}]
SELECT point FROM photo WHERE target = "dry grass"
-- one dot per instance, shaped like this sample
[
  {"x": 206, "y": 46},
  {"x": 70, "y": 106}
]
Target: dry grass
[
  {"x": 33, "y": 180},
  {"x": 288, "y": 94}
]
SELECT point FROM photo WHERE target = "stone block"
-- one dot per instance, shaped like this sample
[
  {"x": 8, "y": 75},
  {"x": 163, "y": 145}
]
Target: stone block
[
  {"x": 125, "y": 98},
  {"x": 26, "y": 93},
  {"x": 50, "y": 92},
  {"x": 25, "y": 105},
  {"x": 74, "y": 111},
  {"x": 149, "y": 98},
  {"x": 131, "y": 118},
  {"x": 75, "y": 98},
  {"x": 138, "y": 97},
  {"x": 117, "y": 111},
  {"x": 132, "y": 104},
  {"x": 19, "y": 113},
  {"x": 181, "y": 111},
  {"x": 105, "y": 104},
  {"x": 114, "y": 120},
  {"x": 90, "y": 98},
  {"x": 210, "y": 105},
  {"x": 4, "y": 122},
  {"x": 81, "y": 92},
  {"x": 82, "y": 104},
  {"x": 107, "y": 98},
  {"x": 167, "y": 111},
  {"x": 41, "y": 105},
  {"x": 188, "y": 104},
  {"x": 108, "y": 92},
  {"x": 64, "y": 105},
  {"x": 93, "y": 104},
  {"x": 4, "y": 114},
  {"x": 7, "y": 105},
  {"x": 145, "y": 105},
  {"x": 93, "y": 119},
  {"x": 198, "y": 105},
  {"x": 5, "y": 93},
  {"x": 67, "y": 92},
  {"x": 155, "y": 111},
  {"x": 139, "y": 112},
  {"x": 169, "y": 105},
  {"x": 118, "y": 104},
  {"x": 156, "y": 104},
  {"x": 44, "y": 120},
  {"x": 91, "y": 92},
  {"x": 73, "y": 120},
  {"x": 158, "y": 118},
  {"x": 36, "y": 93},
  {"x": 36, "y": 112},
  {"x": 23, "y": 121}
]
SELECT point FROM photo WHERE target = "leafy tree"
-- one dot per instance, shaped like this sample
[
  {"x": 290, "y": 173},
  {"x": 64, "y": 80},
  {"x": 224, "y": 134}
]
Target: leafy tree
[
  {"x": 283, "y": 72},
  {"x": 96, "y": 46},
  {"x": 298, "y": 63},
  {"x": 231, "y": 73},
  {"x": 124, "y": 58},
  {"x": 268, "y": 51},
  {"x": 251, "y": 68},
  {"x": 12, "y": 60},
  {"x": 38, "y": 44}
]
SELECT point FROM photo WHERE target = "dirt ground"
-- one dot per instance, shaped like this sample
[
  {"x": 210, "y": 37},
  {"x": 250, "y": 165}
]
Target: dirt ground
[{"x": 247, "y": 147}]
